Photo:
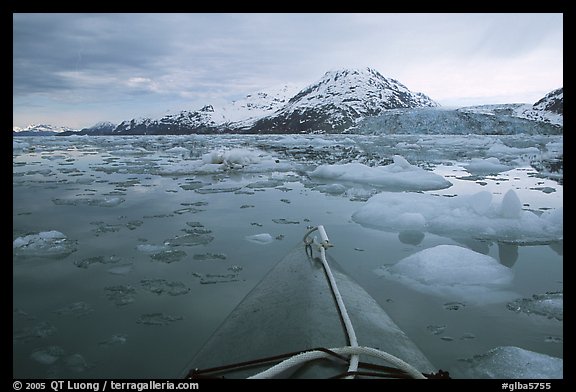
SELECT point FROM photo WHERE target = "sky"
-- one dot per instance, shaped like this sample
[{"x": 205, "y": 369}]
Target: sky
[{"x": 76, "y": 70}]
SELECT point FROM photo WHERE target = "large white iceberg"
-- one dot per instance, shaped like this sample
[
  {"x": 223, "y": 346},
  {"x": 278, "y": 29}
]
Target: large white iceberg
[
  {"x": 464, "y": 216},
  {"x": 453, "y": 272},
  {"x": 400, "y": 175}
]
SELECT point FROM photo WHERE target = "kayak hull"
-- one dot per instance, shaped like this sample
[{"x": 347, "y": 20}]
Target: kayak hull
[{"x": 293, "y": 309}]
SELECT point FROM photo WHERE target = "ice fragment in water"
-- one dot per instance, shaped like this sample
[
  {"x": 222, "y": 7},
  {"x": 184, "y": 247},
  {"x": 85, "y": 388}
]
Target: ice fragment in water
[
  {"x": 157, "y": 319},
  {"x": 85, "y": 263},
  {"x": 114, "y": 340},
  {"x": 121, "y": 269},
  {"x": 48, "y": 355},
  {"x": 52, "y": 244},
  {"x": 121, "y": 295},
  {"x": 76, "y": 309},
  {"x": 41, "y": 330},
  {"x": 512, "y": 363},
  {"x": 261, "y": 239},
  {"x": 168, "y": 256},
  {"x": 436, "y": 329},
  {"x": 162, "y": 286},
  {"x": 550, "y": 305}
]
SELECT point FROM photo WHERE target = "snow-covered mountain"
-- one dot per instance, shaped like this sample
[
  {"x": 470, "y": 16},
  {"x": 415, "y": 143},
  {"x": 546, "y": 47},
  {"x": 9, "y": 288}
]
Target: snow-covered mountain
[
  {"x": 339, "y": 101},
  {"x": 335, "y": 103},
  {"x": 39, "y": 130},
  {"x": 549, "y": 109},
  {"x": 346, "y": 100},
  {"x": 240, "y": 113}
]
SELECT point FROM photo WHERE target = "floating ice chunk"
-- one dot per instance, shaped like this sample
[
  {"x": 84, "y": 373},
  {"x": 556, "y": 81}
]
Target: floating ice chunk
[
  {"x": 41, "y": 330},
  {"x": 511, "y": 206},
  {"x": 76, "y": 309},
  {"x": 121, "y": 295},
  {"x": 85, "y": 263},
  {"x": 162, "y": 286},
  {"x": 122, "y": 269},
  {"x": 45, "y": 244},
  {"x": 332, "y": 189},
  {"x": 95, "y": 202},
  {"x": 462, "y": 216},
  {"x": 550, "y": 305},
  {"x": 149, "y": 248},
  {"x": 262, "y": 239},
  {"x": 453, "y": 272},
  {"x": 48, "y": 355},
  {"x": 169, "y": 256},
  {"x": 19, "y": 145},
  {"x": 192, "y": 238},
  {"x": 486, "y": 166},
  {"x": 399, "y": 175},
  {"x": 114, "y": 340},
  {"x": 179, "y": 151},
  {"x": 509, "y": 362},
  {"x": 157, "y": 319},
  {"x": 235, "y": 156},
  {"x": 76, "y": 363},
  {"x": 218, "y": 188}
]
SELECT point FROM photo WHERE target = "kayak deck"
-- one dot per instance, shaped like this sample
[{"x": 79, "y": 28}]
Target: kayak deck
[{"x": 292, "y": 310}]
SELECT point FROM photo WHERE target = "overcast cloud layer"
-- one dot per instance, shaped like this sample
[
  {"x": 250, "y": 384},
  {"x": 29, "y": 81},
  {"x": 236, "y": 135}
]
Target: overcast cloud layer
[{"x": 78, "y": 69}]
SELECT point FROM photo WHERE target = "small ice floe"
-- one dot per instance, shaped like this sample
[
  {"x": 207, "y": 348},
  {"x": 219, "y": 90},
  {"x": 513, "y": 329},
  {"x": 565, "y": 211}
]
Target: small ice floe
[
  {"x": 40, "y": 330},
  {"x": 95, "y": 202},
  {"x": 400, "y": 175},
  {"x": 507, "y": 362},
  {"x": 209, "y": 256},
  {"x": 549, "y": 305},
  {"x": 453, "y": 272},
  {"x": 51, "y": 243},
  {"x": 121, "y": 295},
  {"x": 122, "y": 269},
  {"x": 168, "y": 256},
  {"x": 114, "y": 340},
  {"x": 192, "y": 237},
  {"x": 76, "y": 309},
  {"x": 157, "y": 319},
  {"x": 331, "y": 189},
  {"x": 492, "y": 165},
  {"x": 261, "y": 239},
  {"x": 48, "y": 355},
  {"x": 162, "y": 286},
  {"x": 150, "y": 248},
  {"x": 87, "y": 262}
]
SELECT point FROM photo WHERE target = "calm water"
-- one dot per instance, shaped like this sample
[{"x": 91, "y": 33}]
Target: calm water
[{"x": 157, "y": 248}]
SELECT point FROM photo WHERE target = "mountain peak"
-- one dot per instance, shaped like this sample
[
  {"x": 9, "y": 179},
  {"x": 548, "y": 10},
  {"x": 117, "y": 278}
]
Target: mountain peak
[{"x": 339, "y": 100}]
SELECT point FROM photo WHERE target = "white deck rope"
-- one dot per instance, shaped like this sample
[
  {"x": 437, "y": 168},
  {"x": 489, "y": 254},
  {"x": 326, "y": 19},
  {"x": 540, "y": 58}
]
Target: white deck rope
[
  {"x": 354, "y": 350},
  {"x": 353, "y": 341}
]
